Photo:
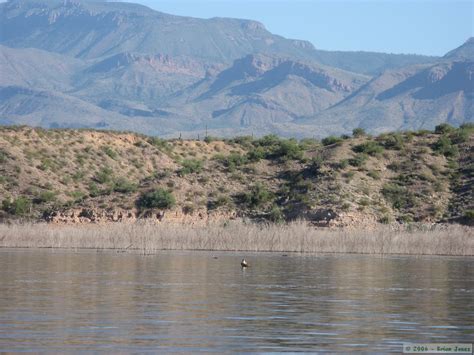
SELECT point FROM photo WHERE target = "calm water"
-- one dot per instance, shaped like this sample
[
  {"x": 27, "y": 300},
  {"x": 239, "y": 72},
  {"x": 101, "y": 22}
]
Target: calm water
[{"x": 189, "y": 301}]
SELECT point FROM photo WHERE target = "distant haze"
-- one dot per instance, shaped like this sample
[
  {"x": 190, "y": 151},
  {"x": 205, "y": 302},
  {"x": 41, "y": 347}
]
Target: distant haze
[{"x": 430, "y": 27}]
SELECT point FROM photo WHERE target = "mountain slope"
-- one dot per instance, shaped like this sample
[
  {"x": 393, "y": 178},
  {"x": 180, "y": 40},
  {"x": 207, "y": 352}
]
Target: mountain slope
[
  {"x": 410, "y": 98},
  {"x": 93, "y": 29},
  {"x": 125, "y": 66}
]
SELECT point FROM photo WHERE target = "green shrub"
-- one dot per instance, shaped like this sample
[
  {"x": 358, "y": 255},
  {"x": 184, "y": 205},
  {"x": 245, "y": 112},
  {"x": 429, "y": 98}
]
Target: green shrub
[
  {"x": 469, "y": 216},
  {"x": 244, "y": 141},
  {"x": 331, "y": 140},
  {"x": 359, "y": 160},
  {"x": 158, "y": 143},
  {"x": 123, "y": 185},
  {"x": 256, "y": 154},
  {"x": 398, "y": 196},
  {"x": 76, "y": 195},
  {"x": 110, "y": 152},
  {"x": 257, "y": 196},
  {"x": 190, "y": 166},
  {"x": 267, "y": 141},
  {"x": 288, "y": 149},
  {"x": 45, "y": 197},
  {"x": 358, "y": 132},
  {"x": 209, "y": 139},
  {"x": 370, "y": 147},
  {"x": 158, "y": 198},
  {"x": 444, "y": 128},
  {"x": 315, "y": 165},
  {"x": 17, "y": 207},
  {"x": 276, "y": 215},
  {"x": 3, "y": 156},
  {"x": 393, "y": 141},
  {"x": 233, "y": 160},
  {"x": 445, "y": 146},
  {"x": 104, "y": 175},
  {"x": 374, "y": 174},
  {"x": 220, "y": 201},
  {"x": 385, "y": 219},
  {"x": 462, "y": 134}
]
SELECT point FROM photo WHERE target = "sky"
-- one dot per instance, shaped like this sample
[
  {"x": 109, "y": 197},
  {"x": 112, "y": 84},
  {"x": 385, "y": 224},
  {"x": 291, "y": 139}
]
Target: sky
[{"x": 430, "y": 27}]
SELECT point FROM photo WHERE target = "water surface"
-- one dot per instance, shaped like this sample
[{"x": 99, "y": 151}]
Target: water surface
[{"x": 190, "y": 301}]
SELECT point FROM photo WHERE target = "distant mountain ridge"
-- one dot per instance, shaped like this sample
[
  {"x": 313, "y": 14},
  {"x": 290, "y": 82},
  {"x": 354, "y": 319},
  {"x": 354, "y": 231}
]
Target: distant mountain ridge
[{"x": 77, "y": 63}]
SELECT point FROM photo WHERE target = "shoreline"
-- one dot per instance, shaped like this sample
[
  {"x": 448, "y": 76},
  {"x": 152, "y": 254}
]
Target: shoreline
[{"x": 298, "y": 237}]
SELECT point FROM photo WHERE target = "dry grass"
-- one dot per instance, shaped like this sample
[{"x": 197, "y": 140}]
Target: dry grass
[{"x": 238, "y": 236}]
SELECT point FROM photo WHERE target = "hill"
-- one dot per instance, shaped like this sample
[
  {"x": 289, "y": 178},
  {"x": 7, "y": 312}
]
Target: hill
[{"x": 83, "y": 176}]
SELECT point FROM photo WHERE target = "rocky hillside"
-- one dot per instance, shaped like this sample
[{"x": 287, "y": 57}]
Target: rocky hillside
[{"x": 83, "y": 176}]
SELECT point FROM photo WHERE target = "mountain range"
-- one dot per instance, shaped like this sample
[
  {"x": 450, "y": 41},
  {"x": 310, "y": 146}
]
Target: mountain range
[{"x": 122, "y": 66}]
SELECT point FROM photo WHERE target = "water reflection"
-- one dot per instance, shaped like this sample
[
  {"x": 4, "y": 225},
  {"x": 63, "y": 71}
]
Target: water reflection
[{"x": 191, "y": 301}]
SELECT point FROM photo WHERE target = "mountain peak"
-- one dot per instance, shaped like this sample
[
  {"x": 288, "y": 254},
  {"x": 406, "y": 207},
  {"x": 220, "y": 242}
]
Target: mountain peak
[{"x": 465, "y": 51}]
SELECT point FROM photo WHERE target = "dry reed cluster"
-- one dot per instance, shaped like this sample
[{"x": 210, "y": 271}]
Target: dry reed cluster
[{"x": 240, "y": 236}]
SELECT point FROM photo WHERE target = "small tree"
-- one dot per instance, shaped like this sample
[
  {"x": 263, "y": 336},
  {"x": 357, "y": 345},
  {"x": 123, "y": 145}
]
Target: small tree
[
  {"x": 158, "y": 198},
  {"x": 358, "y": 132}
]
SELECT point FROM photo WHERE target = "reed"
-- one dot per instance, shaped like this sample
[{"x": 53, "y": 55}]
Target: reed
[{"x": 241, "y": 236}]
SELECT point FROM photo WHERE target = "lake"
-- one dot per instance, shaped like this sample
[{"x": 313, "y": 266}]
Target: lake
[{"x": 54, "y": 300}]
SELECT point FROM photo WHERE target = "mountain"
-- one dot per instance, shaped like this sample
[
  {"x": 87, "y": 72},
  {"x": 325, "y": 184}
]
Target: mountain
[
  {"x": 262, "y": 94},
  {"x": 415, "y": 97},
  {"x": 95, "y": 29},
  {"x": 88, "y": 63},
  {"x": 464, "y": 52}
]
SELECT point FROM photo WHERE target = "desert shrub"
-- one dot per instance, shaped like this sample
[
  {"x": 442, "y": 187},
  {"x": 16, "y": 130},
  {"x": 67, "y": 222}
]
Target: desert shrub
[
  {"x": 209, "y": 139},
  {"x": 359, "y": 160},
  {"x": 104, "y": 175},
  {"x": 398, "y": 196},
  {"x": 460, "y": 136},
  {"x": 358, "y": 132},
  {"x": 45, "y": 197},
  {"x": 315, "y": 165},
  {"x": 159, "y": 143},
  {"x": 123, "y": 185},
  {"x": 276, "y": 214},
  {"x": 159, "y": 198},
  {"x": 444, "y": 128},
  {"x": 188, "y": 209},
  {"x": 288, "y": 149},
  {"x": 331, "y": 140},
  {"x": 3, "y": 156},
  {"x": 393, "y": 141},
  {"x": 76, "y": 195},
  {"x": 445, "y": 146},
  {"x": 244, "y": 141},
  {"x": 385, "y": 219},
  {"x": 18, "y": 207},
  {"x": 256, "y": 154},
  {"x": 469, "y": 216},
  {"x": 370, "y": 147},
  {"x": 110, "y": 152},
  {"x": 190, "y": 166},
  {"x": 234, "y": 160},
  {"x": 220, "y": 201},
  {"x": 257, "y": 196},
  {"x": 267, "y": 141},
  {"x": 374, "y": 174}
]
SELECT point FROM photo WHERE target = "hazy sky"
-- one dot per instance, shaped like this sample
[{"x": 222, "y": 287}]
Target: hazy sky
[{"x": 397, "y": 26}]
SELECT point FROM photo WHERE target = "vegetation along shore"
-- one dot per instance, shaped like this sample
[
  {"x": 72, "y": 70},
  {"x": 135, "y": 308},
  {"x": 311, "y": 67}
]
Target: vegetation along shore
[
  {"x": 357, "y": 182},
  {"x": 145, "y": 237}
]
